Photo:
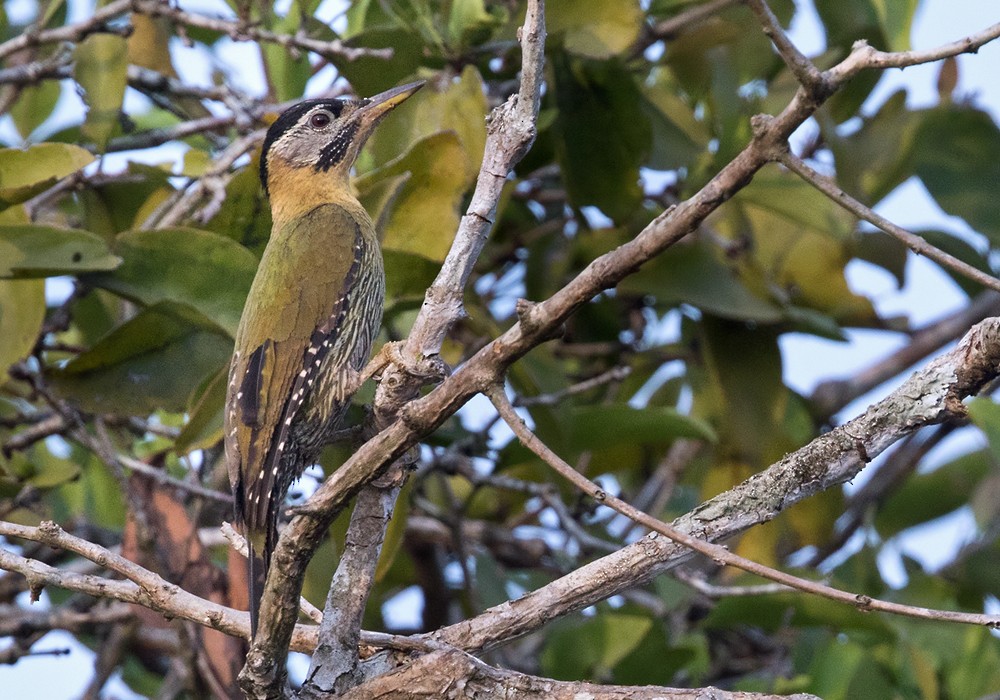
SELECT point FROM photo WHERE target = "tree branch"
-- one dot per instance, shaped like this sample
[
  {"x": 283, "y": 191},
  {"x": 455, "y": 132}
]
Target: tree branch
[
  {"x": 459, "y": 676},
  {"x": 70, "y": 32},
  {"x": 912, "y": 241},
  {"x": 802, "y": 68},
  {"x": 241, "y": 31},
  {"x": 717, "y": 553},
  {"x": 831, "y": 396},
  {"x": 930, "y": 396},
  {"x": 334, "y": 663}
]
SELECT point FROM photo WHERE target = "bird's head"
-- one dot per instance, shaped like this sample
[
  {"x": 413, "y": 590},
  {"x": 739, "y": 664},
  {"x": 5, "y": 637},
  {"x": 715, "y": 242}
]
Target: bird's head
[{"x": 310, "y": 149}]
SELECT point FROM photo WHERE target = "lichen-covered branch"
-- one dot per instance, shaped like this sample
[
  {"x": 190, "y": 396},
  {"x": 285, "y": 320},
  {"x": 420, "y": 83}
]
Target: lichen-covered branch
[{"x": 930, "y": 396}]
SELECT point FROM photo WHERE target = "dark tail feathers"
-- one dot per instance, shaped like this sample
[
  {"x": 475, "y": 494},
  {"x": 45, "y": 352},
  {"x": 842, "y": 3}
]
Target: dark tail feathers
[{"x": 257, "y": 570}]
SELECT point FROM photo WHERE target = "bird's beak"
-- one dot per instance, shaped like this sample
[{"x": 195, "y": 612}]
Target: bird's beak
[{"x": 374, "y": 108}]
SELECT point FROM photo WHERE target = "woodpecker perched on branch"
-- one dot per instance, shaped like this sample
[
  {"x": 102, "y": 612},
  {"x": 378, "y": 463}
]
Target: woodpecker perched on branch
[{"x": 314, "y": 310}]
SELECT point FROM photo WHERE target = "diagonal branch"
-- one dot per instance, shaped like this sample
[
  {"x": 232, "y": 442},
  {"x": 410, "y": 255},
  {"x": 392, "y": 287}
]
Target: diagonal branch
[
  {"x": 437, "y": 675},
  {"x": 78, "y": 31},
  {"x": 148, "y": 589},
  {"x": 833, "y": 395},
  {"x": 804, "y": 70},
  {"x": 930, "y": 396},
  {"x": 241, "y": 31},
  {"x": 721, "y": 555},
  {"x": 912, "y": 241}
]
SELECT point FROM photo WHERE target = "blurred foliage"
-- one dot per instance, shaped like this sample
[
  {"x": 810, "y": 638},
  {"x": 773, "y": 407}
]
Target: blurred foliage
[{"x": 123, "y": 328}]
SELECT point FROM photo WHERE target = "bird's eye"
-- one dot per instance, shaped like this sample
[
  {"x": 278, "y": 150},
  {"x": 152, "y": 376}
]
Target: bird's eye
[{"x": 320, "y": 120}]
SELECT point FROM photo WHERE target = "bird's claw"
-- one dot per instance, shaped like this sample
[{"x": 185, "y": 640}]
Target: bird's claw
[{"x": 430, "y": 368}]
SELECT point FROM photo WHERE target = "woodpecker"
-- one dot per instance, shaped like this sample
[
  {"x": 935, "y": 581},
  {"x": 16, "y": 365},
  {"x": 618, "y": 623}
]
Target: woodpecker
[{"x": 314, "y": 309}]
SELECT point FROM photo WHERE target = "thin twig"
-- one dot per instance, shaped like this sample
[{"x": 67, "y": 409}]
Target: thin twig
[
  {"x": 240, "y": 31},
  {"x": 912, "y": 241},
  {"x": 673, "y": 26},
  {"x": 865, "y": 57},
  {"x": 69, "y": 32},
  {"x": 804, "y": 70},
  {"x": 831, "y": 396},
  {"x": 213, "y": 181},
  {"x": 698, "y": 583},
  {"x": 615, "y": 374}
]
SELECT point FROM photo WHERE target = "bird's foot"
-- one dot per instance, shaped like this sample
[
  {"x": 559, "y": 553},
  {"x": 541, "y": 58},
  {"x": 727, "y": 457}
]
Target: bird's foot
[{"x": 429, "y": 369}]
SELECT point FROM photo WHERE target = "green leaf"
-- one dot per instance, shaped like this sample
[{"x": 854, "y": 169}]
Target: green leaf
[
  {"x": 790, "y": 199},
  {"x": 721, "y": 50},
  {"x": 985, "y": 413},
  {"x": 151, "y": 362},
  {"x": 961, "y": 249},
  {"x": 621, "y": 635},
  {"x": 604, "y": 426},
  {"x": 44, "y": 251},
  {"x": 979, "y": 571},
  {"x": 601, "y": 29},
  {"x": 749, "y": 399},
  {"x": 204, "y": 424},
  {"x": 25, "y": 173},
  {"x": 678, "y": 137},
  {"x": 692, "y": 274},
  {"x": 22, "y": 311},
  {"x": 34, "y": 105},
  {"x": 773, "y": 612},
  {"x": 424, "y": 215},
  {"x": 925, "y": 497},
  {"x": 602, "y": 135},
  {"x": 203, "y": 270},
  {"x": 407, "y": 276},
  {"x": 974, "y": 673},
  {"x": 120, "y": 204},
  {"x": 594, "y": 646},
  {"x": 896, "y": 19},
  {"x": 957, "y": 156},
  {"x": 878, "y": 157},
  {"x": 244, "y": 215},
  {"x": 800, "y": 245},
  {"x": 100, "y": 69},
  {"x": 461, "y": 108},
  {"x": 470, "y": 22},
  {"x": 287, "y": 74},
  {"x": 43, "y": 470},
  {"x": 882, "y": 250},
  {"x": 370, "y": 75},
  {"x": 95, "y": 495}
]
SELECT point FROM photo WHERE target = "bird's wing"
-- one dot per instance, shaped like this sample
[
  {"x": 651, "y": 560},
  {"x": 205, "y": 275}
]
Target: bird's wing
[{"x": 295, "y": 307}]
